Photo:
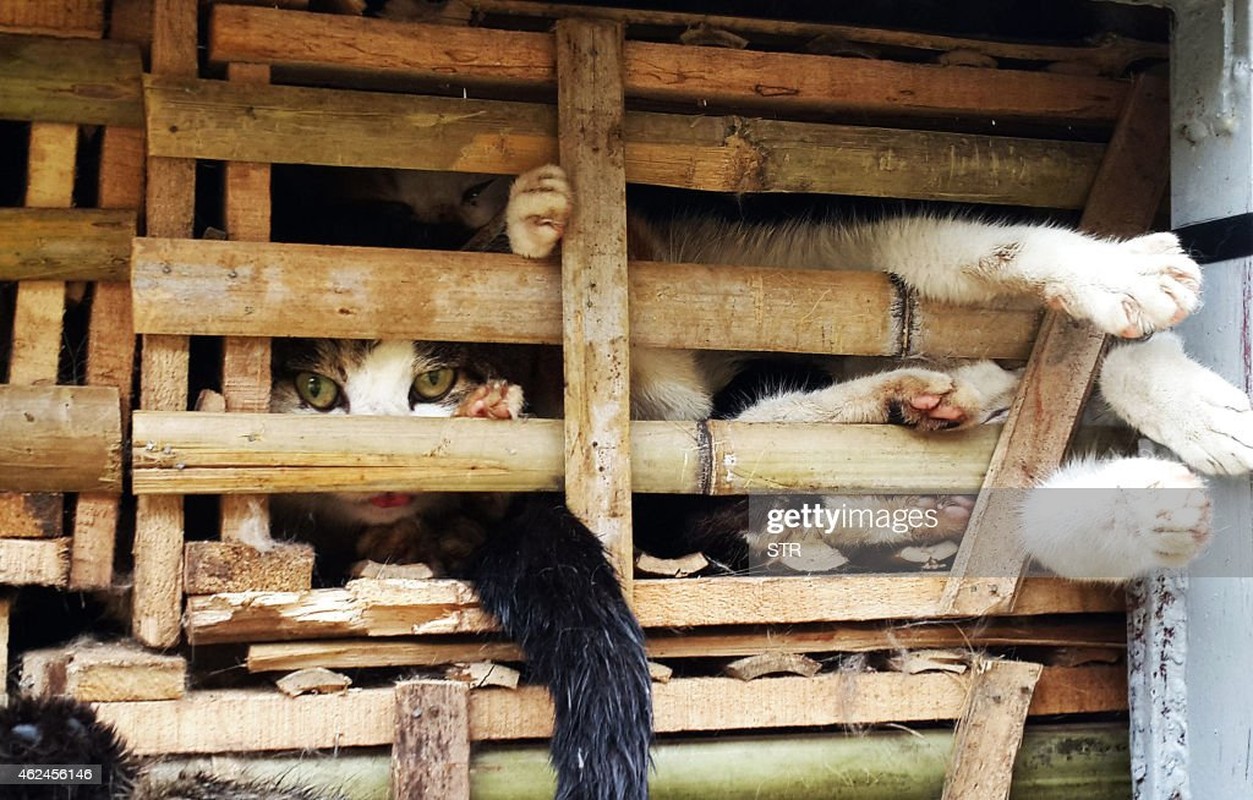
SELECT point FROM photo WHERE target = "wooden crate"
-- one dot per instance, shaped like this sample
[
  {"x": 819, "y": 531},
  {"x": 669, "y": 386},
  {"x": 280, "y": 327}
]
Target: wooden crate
[{"x": 267, "y": 112}]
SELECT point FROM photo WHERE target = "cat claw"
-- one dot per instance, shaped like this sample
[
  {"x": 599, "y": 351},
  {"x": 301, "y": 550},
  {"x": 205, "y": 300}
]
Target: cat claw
[
  {"x": 540, "y": 203},
  {"x": 1147, "y": 284}
]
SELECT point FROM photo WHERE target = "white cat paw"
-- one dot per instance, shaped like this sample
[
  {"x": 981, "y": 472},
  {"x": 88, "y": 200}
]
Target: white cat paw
[
  {"x": 492, "y": 400},
  {"x": 1113, "y": 520},
  {"x": 540, "y": 203},
  {"x": 1136, "y": 287},
  {"x": 1176, "y": 402}
]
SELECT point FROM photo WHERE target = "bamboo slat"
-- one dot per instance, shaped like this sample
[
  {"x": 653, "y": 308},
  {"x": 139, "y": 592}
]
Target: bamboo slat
[
  {"x": 251, "y": 289},
  {"x": 204, "y": 453},
  {"x": 1063, "y": 364},
  {"x": 72, "y": 81},
  {"x": 208, "y": 722},
  {"x": 1099, "y": 631},
  {"x": 384, "y": 608},
  {"x": 285, "y": 124},
  {"x": 780, "y": 83},
  {"x": 81, "y": 244},
  {"x": 60, "y": 439}
]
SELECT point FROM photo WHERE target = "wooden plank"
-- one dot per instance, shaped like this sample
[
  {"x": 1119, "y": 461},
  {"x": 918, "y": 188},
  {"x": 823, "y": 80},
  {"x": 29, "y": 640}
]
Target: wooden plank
[
  {"x": 103, "y": 672},
  {"x": 238, "y": 289},
  {"x": 596, "y": 338},
  {"x": 285, "y": 124},
  {"x": 170, "y": 204},
  {"x": 990, "y": 730},
  {"x": 209, "y": 721},
  {"x": 68, "y": 18},
  {"x": 38, "y": 562},
  {"x": 6, "y": 605},
  {"x": 230, "y": 566},
  {"x": 1112, "y": 54},
  {"x": 246, "y": 361},
  {"x": 1063, "y": 364},
  {"x": 384, "y": 608},
  {"x": 60, "y": 439},
  {"x": 743, "y": 79},
  {"x": 204, "y": 453},
  {"x": 431, "y": 745},
  {"x": 1082, "y": 631},
  {"x": 110, "y": 358},
  {"x": 77, "y": 82},
  {"x": 82, "y": 244}
]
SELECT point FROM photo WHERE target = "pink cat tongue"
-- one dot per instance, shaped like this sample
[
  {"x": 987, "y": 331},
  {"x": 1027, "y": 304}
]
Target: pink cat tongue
[{"x": 391, "y": 500}]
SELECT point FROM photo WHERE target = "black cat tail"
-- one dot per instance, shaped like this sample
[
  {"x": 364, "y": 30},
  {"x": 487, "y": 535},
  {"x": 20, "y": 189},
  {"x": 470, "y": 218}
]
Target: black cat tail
[{"x": 546, "y": 579}]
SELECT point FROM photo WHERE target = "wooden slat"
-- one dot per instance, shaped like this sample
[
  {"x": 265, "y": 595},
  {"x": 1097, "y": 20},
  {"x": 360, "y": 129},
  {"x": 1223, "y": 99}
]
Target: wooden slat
[
  {"x": 246, "y": 361},
  {"x": 747, "y": 79},
  {"x": 238, "y": 289},
  {"x": 38, "y": 562},
  {"x": 170, "y": 203},
  {"x": 209, "y": 722},
  {"x": 284, "y": 124},
  {"x": 384, "y": 608},
  {"x": 82, "y": 244},
  {"x": 103, "y": 672},
  {"x": 68, "y": 18},
  {"x": 204, "y": 453},
  {"x": 431, "y": 745},
  {"x": 596, "y": 337},
  {"x": 1063, "y": 364},
  {"x": 1113, "y": 54},
  {"x": 110, "y": 357},
  {"x": 77, "y": 82},
  {"x": 60, "y": 439},
  {"x": 1104, "y": 631},
  {"x": 990, "y": 730},
  {"x": 6, "y": 605},
  {"x": 232, "y": 566}
]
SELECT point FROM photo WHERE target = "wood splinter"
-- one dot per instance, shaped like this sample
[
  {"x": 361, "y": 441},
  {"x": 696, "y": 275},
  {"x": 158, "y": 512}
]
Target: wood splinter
[
  {"x": 681, "y": 567},
  {"x": 315, "y": 680},
  {"x": 753, "y": 667},
  {"x": 484, "y": 673}
]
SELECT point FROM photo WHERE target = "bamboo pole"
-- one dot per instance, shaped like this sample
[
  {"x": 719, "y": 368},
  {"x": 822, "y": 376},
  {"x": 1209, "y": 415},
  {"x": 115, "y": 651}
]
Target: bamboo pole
[
  {"x": 209, "y": 721},
  {"x": 393, "y": 607},
  {"x": 203, "y": 453},
  {"x": 1056, "y": 763},
  {"x": 251, "y": 289},
  {"x": 779, "y": 83},
  {"x": 1063, "y": 364},
  {"x": 286, "y": 124}
]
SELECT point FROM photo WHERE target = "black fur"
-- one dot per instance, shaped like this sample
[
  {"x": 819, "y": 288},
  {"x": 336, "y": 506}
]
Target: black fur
[
  {"x": 63, "y": 731},
  {"x": 546, "y": 579}
]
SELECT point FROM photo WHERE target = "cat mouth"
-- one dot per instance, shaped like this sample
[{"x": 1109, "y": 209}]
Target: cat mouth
[{"x": 391, "y": 500}]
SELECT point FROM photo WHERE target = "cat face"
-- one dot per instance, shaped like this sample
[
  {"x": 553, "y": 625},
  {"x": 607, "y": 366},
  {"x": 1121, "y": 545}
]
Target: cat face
[{"x": 381, "y": 378}]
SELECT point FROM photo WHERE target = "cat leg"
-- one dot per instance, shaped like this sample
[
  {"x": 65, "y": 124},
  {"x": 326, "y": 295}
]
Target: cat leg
[
  {"x": 545, "y": 577},
  {"x": 1126, "y": 288},
  {"x": 918, "y": 398},
  {"x": 495, "y": 399},
  {"x": 1112, "y": 520},
  {"x": 540, "y": 202},
  {"x": 1175, "y": 401}
]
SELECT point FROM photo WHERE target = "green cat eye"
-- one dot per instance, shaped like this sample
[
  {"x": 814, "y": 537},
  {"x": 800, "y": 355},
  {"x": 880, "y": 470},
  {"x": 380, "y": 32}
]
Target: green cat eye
[
  {"x": 317, "y": 390},
  {"x": 431, "y": 386}
]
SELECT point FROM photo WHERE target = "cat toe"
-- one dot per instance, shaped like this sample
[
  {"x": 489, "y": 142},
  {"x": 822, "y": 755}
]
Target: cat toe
[{"x": 540, "y": 203}]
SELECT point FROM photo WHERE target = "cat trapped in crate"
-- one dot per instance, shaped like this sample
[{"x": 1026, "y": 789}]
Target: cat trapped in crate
[{"x": 545, "y": 576}]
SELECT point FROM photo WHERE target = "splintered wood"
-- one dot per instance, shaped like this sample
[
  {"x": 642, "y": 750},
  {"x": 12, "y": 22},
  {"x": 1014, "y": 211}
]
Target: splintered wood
[
  {"x": 103, "y": 672},
  {"x": 990, "y": 730},
  {"x": 1063, "y": 365}
]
